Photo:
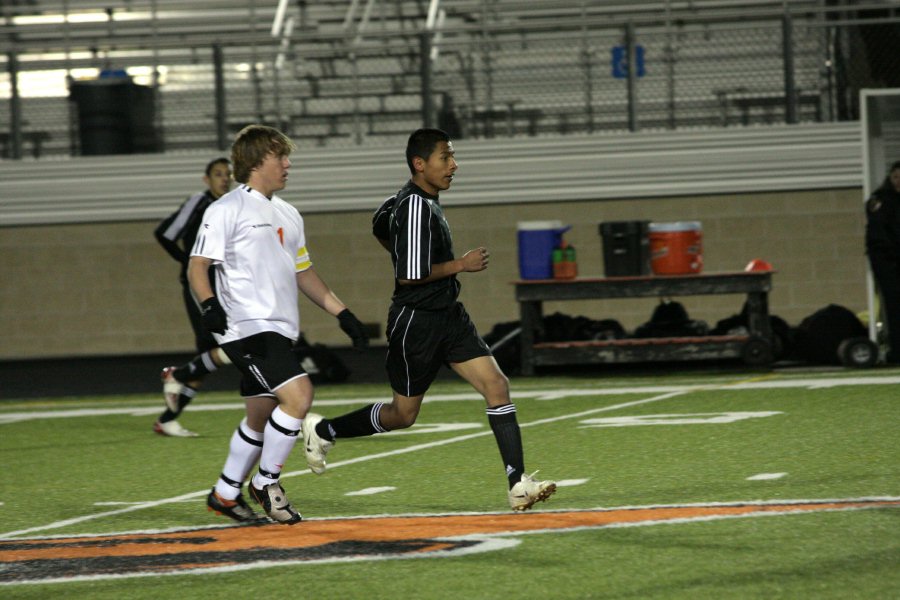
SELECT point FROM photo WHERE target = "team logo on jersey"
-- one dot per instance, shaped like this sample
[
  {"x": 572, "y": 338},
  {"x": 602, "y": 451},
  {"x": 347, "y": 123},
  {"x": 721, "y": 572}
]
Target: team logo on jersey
[{"x": 331, "y": 540}]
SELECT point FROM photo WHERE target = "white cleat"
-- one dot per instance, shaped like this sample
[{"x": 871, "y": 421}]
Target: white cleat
[
  {"x": 171, "y": 388},
  {"x": 528, "y": 492},
  {"x": 274, "y": 501},
  {"x": 173, "y": 429},
  {"x": 314, "y": 446}
]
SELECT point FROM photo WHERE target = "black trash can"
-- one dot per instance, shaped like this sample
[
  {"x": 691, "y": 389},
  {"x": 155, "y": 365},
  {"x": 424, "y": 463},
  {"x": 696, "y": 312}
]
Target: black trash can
[{"x": 115, "y": 116}]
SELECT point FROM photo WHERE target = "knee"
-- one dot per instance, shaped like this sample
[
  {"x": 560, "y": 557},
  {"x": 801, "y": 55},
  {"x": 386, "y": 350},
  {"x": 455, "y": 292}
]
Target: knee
[
  {"x": 496, "y": 386},
  {"x": 397, "y": 417},
  {"x": 407, "y": 417},
  {"x": 296, "y": 407},
  {"x": 256, "y": 420},
  {"x": 295, "y": 398}
]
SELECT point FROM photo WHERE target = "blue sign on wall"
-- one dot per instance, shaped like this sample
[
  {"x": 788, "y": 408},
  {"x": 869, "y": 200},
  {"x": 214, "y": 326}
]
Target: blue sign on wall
[{"x": 620, "y": 61}]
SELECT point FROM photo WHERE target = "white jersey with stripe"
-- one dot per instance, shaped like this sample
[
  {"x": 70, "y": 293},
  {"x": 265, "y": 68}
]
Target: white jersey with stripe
[{"x": 257, "y": 246}]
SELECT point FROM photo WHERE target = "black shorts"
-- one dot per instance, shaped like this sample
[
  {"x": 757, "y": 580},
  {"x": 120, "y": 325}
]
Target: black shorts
[
  {"x": 266, "y": 362},
  {"x": 420, "y": 341}
]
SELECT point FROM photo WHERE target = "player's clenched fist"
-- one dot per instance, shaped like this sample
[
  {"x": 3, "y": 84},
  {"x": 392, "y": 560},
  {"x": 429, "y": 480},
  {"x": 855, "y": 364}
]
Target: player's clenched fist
[
  {"x": 476, "y": 260},
  {"x": 354, "y": 329}
]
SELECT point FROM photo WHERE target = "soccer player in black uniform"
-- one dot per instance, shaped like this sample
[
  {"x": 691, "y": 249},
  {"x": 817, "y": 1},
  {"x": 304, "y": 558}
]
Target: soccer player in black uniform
[
  {"x": 427, "y": 326},
  {"x": 176, "y": 234}
]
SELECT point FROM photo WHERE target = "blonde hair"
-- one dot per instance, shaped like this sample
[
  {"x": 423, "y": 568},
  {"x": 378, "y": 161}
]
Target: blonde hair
[{"x": 253, "y": 144}]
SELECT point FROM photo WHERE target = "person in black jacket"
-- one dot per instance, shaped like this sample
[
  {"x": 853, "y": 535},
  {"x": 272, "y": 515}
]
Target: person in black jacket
[
  {"x": 883, "y": 249},
  {"x": 176, "y": 233}
]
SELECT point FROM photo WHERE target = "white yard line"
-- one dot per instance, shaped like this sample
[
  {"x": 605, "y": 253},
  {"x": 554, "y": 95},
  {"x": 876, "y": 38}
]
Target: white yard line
[
  {"x": 571, "y": 482},
  {"x": 766, "y": 476},
  {"x": 812, "y": 384},
  {"x": 191, "y": 500},
  {"x": 336, "y": 465},
  {"x": 629, "y": 507},
  {"x": 484, "y": 542},
  {"x": 372, "y": 490}
]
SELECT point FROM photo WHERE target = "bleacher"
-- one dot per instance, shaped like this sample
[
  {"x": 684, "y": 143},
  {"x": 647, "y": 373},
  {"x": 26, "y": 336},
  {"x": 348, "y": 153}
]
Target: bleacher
[{"x": 512, "y": 68}]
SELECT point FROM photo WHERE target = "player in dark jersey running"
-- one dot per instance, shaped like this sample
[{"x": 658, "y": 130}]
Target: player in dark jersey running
[
  {"x": 427, "y": 326},
  {"x": 176, "y": 234}
]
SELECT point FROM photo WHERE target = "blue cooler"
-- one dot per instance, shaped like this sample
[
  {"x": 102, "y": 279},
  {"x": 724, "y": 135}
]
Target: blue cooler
[{"x": 537, "y": 239}]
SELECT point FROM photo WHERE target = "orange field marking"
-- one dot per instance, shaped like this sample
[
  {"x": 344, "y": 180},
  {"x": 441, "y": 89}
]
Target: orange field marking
[{"x": 135, "y": 554}]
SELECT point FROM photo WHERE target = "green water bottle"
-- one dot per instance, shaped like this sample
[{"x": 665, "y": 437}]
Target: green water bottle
[
  {"x": 571, "y": 261},
  {"x": 564, "y": 266},
  {"x": 557, "y": 260}
]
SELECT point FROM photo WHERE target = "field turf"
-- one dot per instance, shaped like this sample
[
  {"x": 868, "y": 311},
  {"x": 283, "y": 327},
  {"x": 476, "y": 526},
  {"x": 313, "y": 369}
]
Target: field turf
[{"x": 693, "y": 485}]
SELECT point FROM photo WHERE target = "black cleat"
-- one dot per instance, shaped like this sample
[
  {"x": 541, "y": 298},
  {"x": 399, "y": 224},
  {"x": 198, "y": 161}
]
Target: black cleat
[{"x": 237, "y": 509}]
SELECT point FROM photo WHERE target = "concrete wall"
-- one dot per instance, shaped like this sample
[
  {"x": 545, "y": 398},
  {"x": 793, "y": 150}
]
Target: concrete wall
[{"x": 109, "y": 289}]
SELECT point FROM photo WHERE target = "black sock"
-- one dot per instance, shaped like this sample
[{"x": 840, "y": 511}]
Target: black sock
[
  {"x": 359, "y": 423},
  {"x": 187, "y": 394},
  {"x": 509, "y": 440},
  {"x": 197, "y": 368}
]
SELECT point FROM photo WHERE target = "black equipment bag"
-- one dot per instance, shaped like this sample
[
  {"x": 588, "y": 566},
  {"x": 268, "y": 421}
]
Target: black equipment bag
[
  {"x": 818, "y": 336},
  {"x": 321, "y": 363}
]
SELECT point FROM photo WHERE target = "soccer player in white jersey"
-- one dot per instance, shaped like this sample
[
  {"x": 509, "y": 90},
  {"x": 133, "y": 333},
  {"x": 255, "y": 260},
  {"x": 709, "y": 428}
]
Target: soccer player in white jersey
[{"x": 256, "y": 244}]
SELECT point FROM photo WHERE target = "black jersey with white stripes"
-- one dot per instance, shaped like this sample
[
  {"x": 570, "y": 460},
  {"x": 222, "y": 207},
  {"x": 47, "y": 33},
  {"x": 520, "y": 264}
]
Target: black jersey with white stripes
[
  {"x": 181, "y": 226},
  {"x": 418, "y": 237}
]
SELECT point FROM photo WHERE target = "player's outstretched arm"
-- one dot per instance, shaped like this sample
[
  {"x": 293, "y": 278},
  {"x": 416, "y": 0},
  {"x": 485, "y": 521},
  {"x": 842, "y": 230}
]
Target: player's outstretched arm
[{"x": 313, "y": 287}]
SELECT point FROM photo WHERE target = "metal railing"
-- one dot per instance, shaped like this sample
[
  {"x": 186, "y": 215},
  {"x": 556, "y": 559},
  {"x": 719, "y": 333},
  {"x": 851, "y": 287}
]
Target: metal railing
[{"x": 482, "y": 71}]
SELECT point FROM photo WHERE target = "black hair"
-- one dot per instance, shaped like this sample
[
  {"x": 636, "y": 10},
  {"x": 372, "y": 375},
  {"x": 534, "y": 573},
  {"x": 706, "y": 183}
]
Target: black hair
[
  {"x": 421, "y": 143},
  {"x": 216, "y": 161},
  {"x": 887, "y": 184}
]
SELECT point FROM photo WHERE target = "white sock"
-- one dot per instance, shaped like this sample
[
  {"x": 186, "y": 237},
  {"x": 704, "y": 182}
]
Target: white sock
[
  {"x": 280, "y": 436},
  {"x": 243, "y": 453},
  {"x": 208, "y": 362}
]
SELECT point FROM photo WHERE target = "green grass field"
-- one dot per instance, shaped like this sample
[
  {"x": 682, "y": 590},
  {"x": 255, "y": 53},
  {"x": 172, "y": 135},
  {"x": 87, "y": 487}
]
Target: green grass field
[{"x": 781, "y": 485}]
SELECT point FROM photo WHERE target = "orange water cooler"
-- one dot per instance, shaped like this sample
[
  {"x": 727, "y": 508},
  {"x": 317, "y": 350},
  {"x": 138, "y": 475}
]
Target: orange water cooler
[{"x": 676, "y": 248}]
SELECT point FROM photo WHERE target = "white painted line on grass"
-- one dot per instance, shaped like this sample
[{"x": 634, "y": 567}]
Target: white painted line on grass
[
  {"x": 123, "y": 503},
  {"x": 372, "y": 490},
  {"x": 337, "y": 465},
  {"x": 812, "y": 384},
  {"x": 228, "y": 525},
  {"x": 766, "y": 476},
  {"x": 571, "y": 482},
  {"x": 109, "y": 513},
  {"x": 677, "y": 419},
  {"x": 435, "y": 428}
]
